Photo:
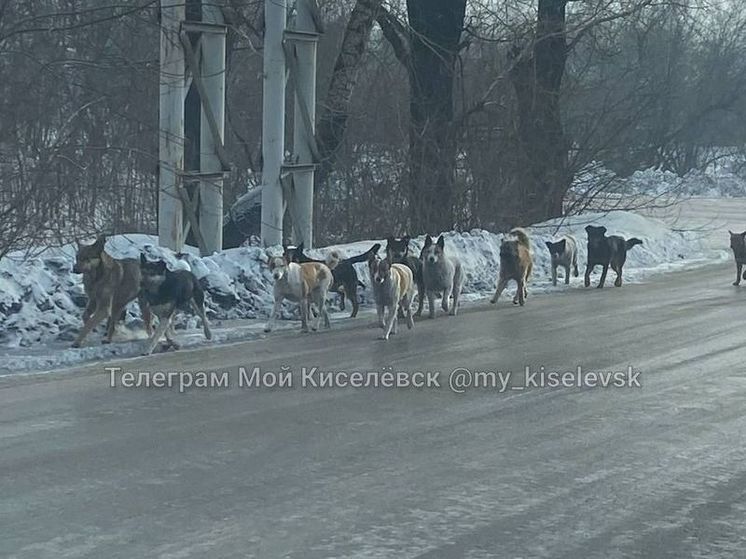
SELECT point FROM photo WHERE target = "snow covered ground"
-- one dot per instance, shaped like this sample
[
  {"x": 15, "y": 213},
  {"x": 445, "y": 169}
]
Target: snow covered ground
[{"x": 41, "y": 300}]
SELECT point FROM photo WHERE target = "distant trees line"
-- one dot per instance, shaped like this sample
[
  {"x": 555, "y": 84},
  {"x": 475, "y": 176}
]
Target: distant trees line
[{"x": 433, "y": 114}]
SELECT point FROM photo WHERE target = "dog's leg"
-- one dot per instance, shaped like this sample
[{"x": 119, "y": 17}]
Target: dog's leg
[
  {"x": 446, "y": 298},
  {"x": 200, "y": 310},
  {"x": 272, "y": 317},
  {"x": 603, "y": 276},
  {"x": 90, "y": 308},
  {"x": 353, "y": 299},
  {"x": 739, "y": 267},
  {"x": 323, "y": 311},
  {"x": 163, "y": 325},
  {"x": 147, "y": 316},
  {"x": 171, "y": 336},
  {"x": 406, "y": 304},
  {"x": 327, "y": 322},
  {"x": 379, "y": 312},
  {"x": 431, "y": 303},
  {"x": 420, "y": 299},
  {"x": 587, "y": 279},
  {"x": 93, "y": 321},
  {"x": 305, "y": 310},
  {"x": 391, "y": 322},
  {"x": 567, "y": 274},
  {"x": 111, "y": 324},
  {"x": 554, "y": 275},
  {"x": 501, "y": 283},
  {"x": 618, "y": 280},
  {"x": 341, "y": 299},
  {"x": 456, "y": 298},
  {"x": 575, "y": 263},
  {"x": 521, "y": 292}
]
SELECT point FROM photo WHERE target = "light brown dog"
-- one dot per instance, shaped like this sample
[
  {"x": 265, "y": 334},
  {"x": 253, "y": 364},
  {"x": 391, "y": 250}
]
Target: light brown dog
[
  {"x": 305, "y": 284},
  {"x": 109, "y": 285},
  {"x": 516, "y": 263},
  {"x": 393, "y": 287}
]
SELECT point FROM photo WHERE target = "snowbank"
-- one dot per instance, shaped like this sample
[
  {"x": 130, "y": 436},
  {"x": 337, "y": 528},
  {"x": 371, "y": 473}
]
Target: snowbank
[
  {"x": 723, "y": 178},
  {"x": 41, "y": 300}
]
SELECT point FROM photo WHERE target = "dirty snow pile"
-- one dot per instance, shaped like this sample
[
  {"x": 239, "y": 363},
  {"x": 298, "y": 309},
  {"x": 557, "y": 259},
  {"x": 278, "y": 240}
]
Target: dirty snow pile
[{"x": 41, "y": 300}]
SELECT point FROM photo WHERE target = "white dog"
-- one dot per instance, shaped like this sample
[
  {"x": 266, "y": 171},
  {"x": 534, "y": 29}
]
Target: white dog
[
  {"x": 393, "y": 287},
  {"x": 441, "y": 274},
  {"x": 305, "y": 283}
]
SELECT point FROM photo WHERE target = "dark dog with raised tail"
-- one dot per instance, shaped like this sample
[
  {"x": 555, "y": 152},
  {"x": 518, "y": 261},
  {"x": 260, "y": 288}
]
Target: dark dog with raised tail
[{"x": 606, "y": 251}]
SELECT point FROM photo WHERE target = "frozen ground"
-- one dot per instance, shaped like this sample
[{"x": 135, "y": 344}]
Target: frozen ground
[{"x": 41, "y": 299}]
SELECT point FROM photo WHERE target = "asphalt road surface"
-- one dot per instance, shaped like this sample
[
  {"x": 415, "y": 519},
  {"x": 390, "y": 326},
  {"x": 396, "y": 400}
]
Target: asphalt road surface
[{"x": 655, "y": 471}]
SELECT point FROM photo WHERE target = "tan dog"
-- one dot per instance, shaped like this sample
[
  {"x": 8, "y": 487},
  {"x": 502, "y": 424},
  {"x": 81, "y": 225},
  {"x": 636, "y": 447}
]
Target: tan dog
[
  {"x": 109, "y": 285},
  {"x": 516, "y": 263},
  {"x": 305, "y": 284},
  {"x": 393, "y": 287}
]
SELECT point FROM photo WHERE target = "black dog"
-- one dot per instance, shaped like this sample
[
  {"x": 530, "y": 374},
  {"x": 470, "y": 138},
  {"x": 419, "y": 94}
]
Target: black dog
[
  {"x": 345, "y": 277},
  {"x": 606, "y": 251},
  {"x": 397, "y": 252},
  {"x": 166, "y": 291}
]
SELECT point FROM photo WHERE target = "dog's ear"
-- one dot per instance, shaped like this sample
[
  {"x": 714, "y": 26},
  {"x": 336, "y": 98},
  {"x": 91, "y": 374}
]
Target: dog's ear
[
  {"x": 428, "y": 242},
  {"x": 375, "y": 248},
  {"x": 441, "y": 242},
  {"x": 390, "y": 241},
  {"x": 602, "y": 230},
  {"x": 100, "y": 241},
  {"x": 299, "y": 249},
  {"x": 743, "y": 234},
  {"x": 589, "y": 228},
  {"x": 549, "y": 244},
  {"x": 561, "y": 245},
  {"x": 143, "y": 260}
]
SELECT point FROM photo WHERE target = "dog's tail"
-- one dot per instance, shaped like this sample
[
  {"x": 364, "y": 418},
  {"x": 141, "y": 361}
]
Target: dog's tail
[
  {"x": 332, "y": 259},
  {"x": 632, "y": 242},
  {"x": 364, "y": 256},
  {"x": 522, "y": 235}
]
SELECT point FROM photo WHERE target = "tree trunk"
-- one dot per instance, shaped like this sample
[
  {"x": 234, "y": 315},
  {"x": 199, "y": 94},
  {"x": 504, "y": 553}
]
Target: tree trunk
[
  {"x": 336, "y": 108},
  {"x": 537, "y": 79},
  {"x": 435, "y": 33}
]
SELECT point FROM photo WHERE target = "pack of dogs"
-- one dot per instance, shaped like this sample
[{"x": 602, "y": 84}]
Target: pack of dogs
[{"x": 111, "y": 284}]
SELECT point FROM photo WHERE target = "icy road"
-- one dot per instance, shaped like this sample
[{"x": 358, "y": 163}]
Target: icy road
[{"x": 656, "y": 471}]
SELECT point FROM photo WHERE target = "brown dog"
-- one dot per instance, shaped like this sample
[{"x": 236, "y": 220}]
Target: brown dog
[
  {"x": 393, "y": 288},
  {"x": 516, "y": 263},
  {"x": 109, "y": 285}
]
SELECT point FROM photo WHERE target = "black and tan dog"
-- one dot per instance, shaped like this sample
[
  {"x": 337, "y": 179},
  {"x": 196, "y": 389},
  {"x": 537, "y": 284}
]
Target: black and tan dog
[
  {"x": 345, "y": 277},
  {"x": 397, "y": 252},
  {"x": 738, "y": 244},
  {"x": 110, "y": 285},
  {"x": 606, "y": 251},
  {"x": 516, "y": 263},
  {"x": 166, "y": 292}
]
